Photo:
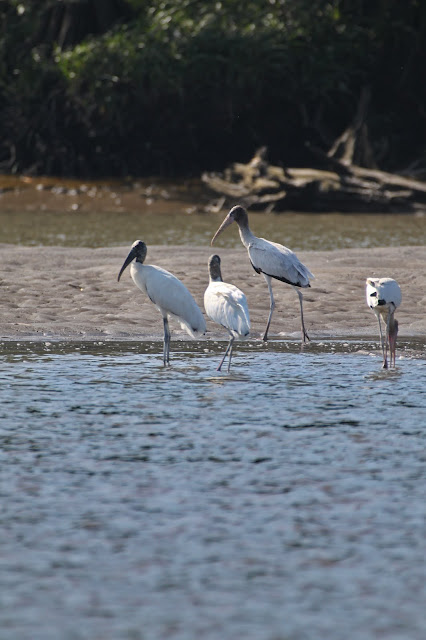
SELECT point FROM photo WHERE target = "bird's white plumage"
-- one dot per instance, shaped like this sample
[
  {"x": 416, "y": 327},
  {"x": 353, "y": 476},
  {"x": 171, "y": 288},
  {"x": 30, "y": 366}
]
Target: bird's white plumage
[
  {"x": 226, "y": 305},
  {"x": 383, "y": 294},
  {"x": 170, "y": 296},
  {"x": 278, "y": 261},
  {"x": 168, "y": 293}
]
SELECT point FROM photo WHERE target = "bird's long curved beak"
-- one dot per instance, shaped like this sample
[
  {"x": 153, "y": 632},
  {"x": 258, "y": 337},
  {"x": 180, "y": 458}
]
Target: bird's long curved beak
[
  {"x": 128, "y": 260},
  {"x": 228, "y": 220}
]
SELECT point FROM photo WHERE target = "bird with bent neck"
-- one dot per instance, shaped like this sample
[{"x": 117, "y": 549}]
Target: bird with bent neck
[{"x": 384, "y": 297}]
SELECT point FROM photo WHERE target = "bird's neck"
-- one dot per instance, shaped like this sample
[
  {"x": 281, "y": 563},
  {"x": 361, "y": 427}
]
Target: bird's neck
[
  {"x": 246, "y": 234},
  {"x": 215, "y": 274},
  {"x": 137, "y": 270},
  {"x": 393, "y": 325}
]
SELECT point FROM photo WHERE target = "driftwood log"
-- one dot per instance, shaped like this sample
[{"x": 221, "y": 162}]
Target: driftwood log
[
  {"x": 346, "y": 188},
  {"x": 340, "y": 185}
]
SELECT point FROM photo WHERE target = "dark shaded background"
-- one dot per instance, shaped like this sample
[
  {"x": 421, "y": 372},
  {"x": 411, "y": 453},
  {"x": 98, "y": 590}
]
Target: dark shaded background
[{"x": 93, "y": 88}]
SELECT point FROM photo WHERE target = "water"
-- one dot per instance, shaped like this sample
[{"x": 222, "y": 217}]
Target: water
[
  {"x": 169, "y": 223},
  {"x": 282, "y": 501}
]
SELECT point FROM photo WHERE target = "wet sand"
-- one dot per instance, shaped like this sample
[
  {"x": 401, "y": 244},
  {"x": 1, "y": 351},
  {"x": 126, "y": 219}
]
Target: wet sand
[{"x": 53, "y": 293}]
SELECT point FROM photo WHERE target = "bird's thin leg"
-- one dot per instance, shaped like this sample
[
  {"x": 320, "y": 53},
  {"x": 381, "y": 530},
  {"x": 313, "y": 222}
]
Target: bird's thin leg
[
  {"x": 392, "y": 348},
  {"x": 392, "y": 354},
  {"x": 385, "y": 362},
  {"x": 166, "y": 350},
  {"x": 231, "y": 344},
  {"x": 305, "y": 336},
  {"x": 392, "y": 340},
  {"x": 271, "y": 308},
  {"x": 387, "y": 339},
  {"x": 226, "y": 353}
]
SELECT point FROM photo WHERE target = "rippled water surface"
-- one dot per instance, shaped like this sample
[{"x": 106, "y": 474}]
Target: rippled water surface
[{"x": 282, "y": 501}]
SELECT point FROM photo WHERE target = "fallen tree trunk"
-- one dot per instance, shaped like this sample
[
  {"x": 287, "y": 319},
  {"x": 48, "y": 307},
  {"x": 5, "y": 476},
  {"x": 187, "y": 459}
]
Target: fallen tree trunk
[{"x": 344, "y": 187}]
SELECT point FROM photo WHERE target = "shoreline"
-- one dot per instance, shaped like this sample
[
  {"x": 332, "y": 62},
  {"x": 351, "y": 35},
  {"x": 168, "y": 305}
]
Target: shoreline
[{"x": 61, "y": 293}]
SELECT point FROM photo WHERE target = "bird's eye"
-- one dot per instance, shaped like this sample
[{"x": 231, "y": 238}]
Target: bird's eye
[{"x": 373, "y": 295}]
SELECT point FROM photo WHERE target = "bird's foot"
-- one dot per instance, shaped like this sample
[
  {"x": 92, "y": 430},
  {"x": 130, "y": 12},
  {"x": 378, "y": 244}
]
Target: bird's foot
[{"x": 385, "y": 364}]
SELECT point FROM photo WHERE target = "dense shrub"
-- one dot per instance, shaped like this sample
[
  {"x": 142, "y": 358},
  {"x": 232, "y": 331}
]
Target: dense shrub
[{"x": 178, "y": 87}]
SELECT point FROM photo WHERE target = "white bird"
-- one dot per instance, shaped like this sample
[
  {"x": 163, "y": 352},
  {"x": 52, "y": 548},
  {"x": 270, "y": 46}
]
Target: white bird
[
  {"x": 167, "y": 292},
  {"x": 270, "y": 259},
  {"x": 383, "y": 297},
  {"x": 227, "y": 305}
]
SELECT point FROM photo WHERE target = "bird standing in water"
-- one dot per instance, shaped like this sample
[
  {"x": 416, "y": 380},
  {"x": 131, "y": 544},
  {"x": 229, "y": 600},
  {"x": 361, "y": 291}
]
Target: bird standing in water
[
  {"x": 168, "y": 293},
  {"x": 227, "y": 305},
  {"x": 384, "y": 297},
  {"x": 272, "y": 260}
]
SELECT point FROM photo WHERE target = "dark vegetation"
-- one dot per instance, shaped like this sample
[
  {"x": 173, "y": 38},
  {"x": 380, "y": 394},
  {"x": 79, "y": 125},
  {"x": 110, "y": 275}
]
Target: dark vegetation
[{"x": 119, "y": 87}]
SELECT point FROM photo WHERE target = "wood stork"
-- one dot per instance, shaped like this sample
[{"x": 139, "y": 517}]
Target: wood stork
[
  {"x": 383, "y": 297},
  {"x": 227, "y": 305},
  {"x": 169, "y": 295},
  {"x": 270, "y": 259}
]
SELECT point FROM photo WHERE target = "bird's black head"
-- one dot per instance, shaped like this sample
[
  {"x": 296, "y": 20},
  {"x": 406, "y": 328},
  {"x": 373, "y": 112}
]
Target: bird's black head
[
  {"x": 137, "y": 252},
  {"x": 140, "y": 250},
  {"x": 214, "y": 268},
  {"x": 237, "y": 214}
]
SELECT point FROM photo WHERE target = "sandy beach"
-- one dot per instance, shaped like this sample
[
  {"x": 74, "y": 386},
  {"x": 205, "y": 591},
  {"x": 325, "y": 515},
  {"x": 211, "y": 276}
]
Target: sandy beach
[{"x": 73, "y": 293}]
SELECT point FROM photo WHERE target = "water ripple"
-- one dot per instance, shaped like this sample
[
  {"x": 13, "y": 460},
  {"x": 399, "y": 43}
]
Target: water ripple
[{"x": 276, "y": 501}]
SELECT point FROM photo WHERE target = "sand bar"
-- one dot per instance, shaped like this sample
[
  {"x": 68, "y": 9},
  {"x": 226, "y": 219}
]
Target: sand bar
[{"x": 73, "y": 293}]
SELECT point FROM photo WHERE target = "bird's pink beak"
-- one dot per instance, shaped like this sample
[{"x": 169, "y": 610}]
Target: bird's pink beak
[
  {"x": 392, "y": 350},
  {"x": 392, "y": 343},
  {"x": 228, "y": 220}
]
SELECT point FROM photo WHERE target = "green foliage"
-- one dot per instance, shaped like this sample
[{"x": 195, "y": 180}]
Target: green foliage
[{"x": 184, "y": 85}]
